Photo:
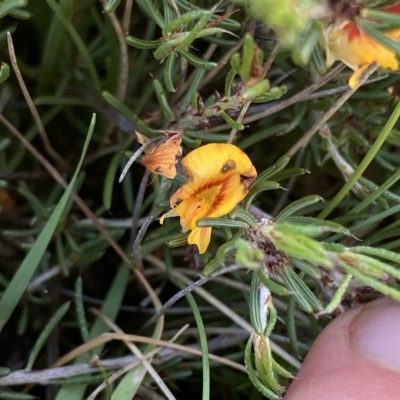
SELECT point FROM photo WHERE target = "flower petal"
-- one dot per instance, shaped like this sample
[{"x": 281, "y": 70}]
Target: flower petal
[
  {"x": 190, "y": 211},
  {"x": 335, "y": 41},
  {"x": 219, "y": 176},
  {"x": 346, "y": 42},
  {"x": 200, "y": 237},
  {"x": 230, "y": 194},
  {"x": 355, "y": 78},
  {"x": 369, "y": 51},
  {"x": 215, "y": 159}
]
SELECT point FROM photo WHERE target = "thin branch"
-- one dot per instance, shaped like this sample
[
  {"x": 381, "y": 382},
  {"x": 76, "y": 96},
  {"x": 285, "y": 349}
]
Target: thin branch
[
  {"x": 144, "y": 359},
  {"x": 31, "y": 105},
  {"x": 239, "y": 119},
  {"x": 127, "y": 16},
  {"x": 187, "y": 290},
  {"x": 221, "y": 64},
  {"x": 266, "y": 67},
  {"x": 295, "y": 99},
  {"x": 133, "y": 158},
  {"x": 137, "y": 251},
  {"x": 271, "y": 58},
  {"x": 52, "y": 376},
  {"x": 60, "y": 180},
  {"x": 285, "y": 195},
  {"x": 108, "y": 222},
  {"x": 328, "y": 114},
  {"x": 86, "y": 210},
  {"x": 138, "y": 205},
  {"x": 173, "y": 5},
  {"x": 281, "y": 105},
  {"x": 222, "y": 307},
  {"x": 123, "y": 49},
  {"x": 107, "y": 337}
]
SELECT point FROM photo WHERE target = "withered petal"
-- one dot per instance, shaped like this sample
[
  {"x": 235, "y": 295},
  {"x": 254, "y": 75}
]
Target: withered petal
[{"x": 162, "y": 158}]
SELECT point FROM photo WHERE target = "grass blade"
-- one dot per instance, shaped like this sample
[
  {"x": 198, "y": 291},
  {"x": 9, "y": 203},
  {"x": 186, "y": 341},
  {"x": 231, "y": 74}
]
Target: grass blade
[{"x": 20, "y": 281}]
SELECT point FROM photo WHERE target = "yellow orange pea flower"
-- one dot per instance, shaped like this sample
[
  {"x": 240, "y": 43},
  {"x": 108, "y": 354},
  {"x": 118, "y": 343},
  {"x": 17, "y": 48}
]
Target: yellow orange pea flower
[
  {"x": 219, "y": 176},
  {"x": 357, "y": 49}
]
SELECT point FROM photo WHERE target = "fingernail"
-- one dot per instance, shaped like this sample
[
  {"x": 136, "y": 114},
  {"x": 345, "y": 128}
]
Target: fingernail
[{"x": 375, "y": 333}]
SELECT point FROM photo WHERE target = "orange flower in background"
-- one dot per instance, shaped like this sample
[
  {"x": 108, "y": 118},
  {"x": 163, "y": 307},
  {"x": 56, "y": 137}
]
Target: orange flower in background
[
  {"x": 6, "y": 201},
  {"x": 219, "y": 176},
  {"x": 358, "y": 50}
]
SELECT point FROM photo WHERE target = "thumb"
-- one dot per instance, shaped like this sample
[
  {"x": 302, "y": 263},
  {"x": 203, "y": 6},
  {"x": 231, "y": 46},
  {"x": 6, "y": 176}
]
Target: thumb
[{"x": 356, "y": 357}]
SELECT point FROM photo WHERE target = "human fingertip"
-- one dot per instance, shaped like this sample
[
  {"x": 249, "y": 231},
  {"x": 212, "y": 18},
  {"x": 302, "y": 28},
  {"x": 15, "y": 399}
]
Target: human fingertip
[
  {"x": 357, "y": 356},
  {"x": 375, "y": 333}
]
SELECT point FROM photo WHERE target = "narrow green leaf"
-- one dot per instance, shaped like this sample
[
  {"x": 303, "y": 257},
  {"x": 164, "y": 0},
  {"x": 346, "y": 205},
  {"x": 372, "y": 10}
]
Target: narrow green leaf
[
  {"x": 376, "y": 193},
  {"x": 16, "y": 396},
  {"x": 338, "y": 296},
  {"x": 224, "y": 252},
  {"x": 231, "y": 122},
  {"x": 150, "y": 9},
  {"x": 203, "y": 343},
  {"x": 142, "y": 44},
  {"x": 229, "y": 81},
  {"x": 164, "y": 49},
  {"x": 4, "y": 72},
  {"x": 384, "y": 16},
  {"x": 22, "y": 277},
  {"x": 194, "y": 87},
  {"x": 364, "y": 163},
  {"x": 257, "y": 189},
  {"x": 180, "y": 21},
  {"x": 381, "y": 287},
  {"x": 307, "y": 268},
  {"x": 54, "y": 320},
  {"x": 109, "y": 178},
  {"x": 20, "y": 14},
  {"x": 79, "y": 43},
  {"x": 196, "y": 61},
  {"x": 236, "y": 63},
  {"x": 295, "y": 206},
  {"x": 243, "y": 215},
  {"x": 9, "y": 5},
  {"x": 318, "y": 60},
  {"x": 271, "y": 171},
  {"x": 221, "y": 223},
  {"x": 61, "y": 256},
  {"x": 289, "y": 173},
  {"x": 255, "y": 380},
  {"x": 261, "y": 135},
  {"x": 304, "y": 296},
  {"x": 126, "y": 112},
  {"x": 162, "y": 100},
  {"x": 259, "y": 89},
  {"x": 377, "y": 252},
  {"x": 4, "y": 371},
  {"x": 169, "y": 73},
  {"x": 80, "y": 310},
  {"x": 111, "y": 5},
  {"x": 274, "y": 287},
  {"x": 111, "y": 306},
  {"x": 291, "y": 326},
  {"x": 306, "y": 44},
  {"x": 179, "y": 241},
  {"x": 247, "y": 57},
  {"x": 313, "y": 229},
  {"x": 254, "y": 306},
  {"x": 195, "y": 31}
]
